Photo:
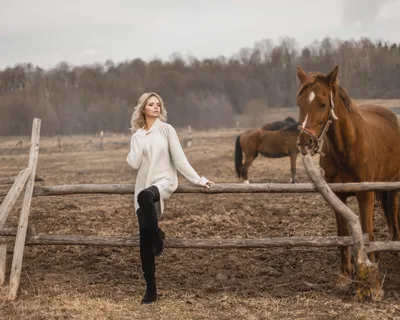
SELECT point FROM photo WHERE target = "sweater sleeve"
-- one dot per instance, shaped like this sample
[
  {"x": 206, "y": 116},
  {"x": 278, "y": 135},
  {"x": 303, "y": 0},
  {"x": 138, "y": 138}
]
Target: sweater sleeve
[
  {"x": 135, "y": 155},
  {"x": 180, "y": 160}
]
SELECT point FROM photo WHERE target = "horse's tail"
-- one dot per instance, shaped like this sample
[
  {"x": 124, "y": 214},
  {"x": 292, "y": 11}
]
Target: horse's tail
[
  {"x": 386, "y": 199},
  {"x": 382, "y": 197},
  {"x": 238, "y": 157}
]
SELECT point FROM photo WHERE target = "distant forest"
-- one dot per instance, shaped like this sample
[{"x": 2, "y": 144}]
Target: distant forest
[{"x": 203, "y": 93}]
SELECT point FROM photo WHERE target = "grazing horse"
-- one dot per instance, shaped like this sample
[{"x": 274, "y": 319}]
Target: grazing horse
[
  {"x": 271, "y": 144},
  {"x": 357, "y": 144},
  {"x": 276, "y": 125}
]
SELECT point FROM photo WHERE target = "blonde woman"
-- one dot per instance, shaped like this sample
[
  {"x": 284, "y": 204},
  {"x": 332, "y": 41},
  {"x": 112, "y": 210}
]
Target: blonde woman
[{"x": 157, "y": 155}]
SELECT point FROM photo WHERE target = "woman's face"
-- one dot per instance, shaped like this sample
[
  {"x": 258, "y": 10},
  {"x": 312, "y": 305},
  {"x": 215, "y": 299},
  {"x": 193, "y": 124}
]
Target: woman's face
[{"x": 152, "y": 108}]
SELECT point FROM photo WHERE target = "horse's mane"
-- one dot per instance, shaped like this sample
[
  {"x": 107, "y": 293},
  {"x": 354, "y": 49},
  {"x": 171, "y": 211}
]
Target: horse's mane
[
  {"x": 289, "y": 120},
  {"x": 277, "y": 125},
  {"x": 343, "y": 93},
  {"x": 293, "y": 127},
  {"x": 274, "y": 126}
]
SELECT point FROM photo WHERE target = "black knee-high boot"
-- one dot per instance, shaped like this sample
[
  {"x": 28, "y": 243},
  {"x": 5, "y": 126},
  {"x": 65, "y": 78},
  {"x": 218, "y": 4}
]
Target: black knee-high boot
[
  {"x": 148, "y": 266},
  {"x": 147, "y": 199},
  {"x": 151, "y": 239}
]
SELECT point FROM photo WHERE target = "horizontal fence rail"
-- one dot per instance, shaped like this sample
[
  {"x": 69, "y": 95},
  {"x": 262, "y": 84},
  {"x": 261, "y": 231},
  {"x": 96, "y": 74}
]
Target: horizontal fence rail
[
  {"x": 10, "y": 180},
  {"x": 216, "y": 243},
  {"x": 59, "y": 190}
]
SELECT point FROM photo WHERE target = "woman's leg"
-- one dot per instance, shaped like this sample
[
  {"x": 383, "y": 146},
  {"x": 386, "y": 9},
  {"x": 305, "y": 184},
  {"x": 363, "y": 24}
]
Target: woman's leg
[
  {"x": 147, "y": 202},
  {"x": 151, "y": 239}
]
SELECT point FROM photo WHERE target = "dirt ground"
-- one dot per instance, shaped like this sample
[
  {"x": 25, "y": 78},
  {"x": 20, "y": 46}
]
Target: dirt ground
[{"x": 78, "y": 282}]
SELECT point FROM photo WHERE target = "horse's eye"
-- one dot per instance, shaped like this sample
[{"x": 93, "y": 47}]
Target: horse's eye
[{"x": 323, "y": 105}]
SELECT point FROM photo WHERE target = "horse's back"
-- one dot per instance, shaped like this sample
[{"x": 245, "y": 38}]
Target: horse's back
[
  {"x": 378, "y": 115},
  {"x": 383, "y": 142},
  {"x": 280, "y": 143},
  {"x": 251, "y": 138}
]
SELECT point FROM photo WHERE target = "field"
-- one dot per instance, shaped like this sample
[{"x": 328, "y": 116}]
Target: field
[{"x": 77, "y": 282}]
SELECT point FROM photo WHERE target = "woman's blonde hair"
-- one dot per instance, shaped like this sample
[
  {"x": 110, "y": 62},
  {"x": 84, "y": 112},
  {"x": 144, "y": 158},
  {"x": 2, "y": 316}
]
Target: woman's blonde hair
[{"x": 138, "y": 119}]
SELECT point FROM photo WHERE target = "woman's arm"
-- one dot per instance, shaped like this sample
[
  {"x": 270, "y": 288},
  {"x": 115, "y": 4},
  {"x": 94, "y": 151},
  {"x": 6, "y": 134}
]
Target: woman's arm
[
  {"x": 180, "y": 160},
  {"x": 135, "y": 155}
]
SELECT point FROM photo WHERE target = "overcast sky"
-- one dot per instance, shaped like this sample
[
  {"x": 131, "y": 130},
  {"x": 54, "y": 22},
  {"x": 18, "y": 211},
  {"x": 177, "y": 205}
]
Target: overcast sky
[{"x": 45, "y": 32}]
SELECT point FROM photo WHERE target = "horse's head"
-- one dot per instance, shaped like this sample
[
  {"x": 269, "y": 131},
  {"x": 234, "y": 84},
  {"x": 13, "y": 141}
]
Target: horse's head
[{"x": 316, "y": 106}]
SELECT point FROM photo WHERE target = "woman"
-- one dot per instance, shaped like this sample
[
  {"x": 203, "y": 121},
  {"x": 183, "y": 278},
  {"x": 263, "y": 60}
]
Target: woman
[{"x": 157, "y": 154}]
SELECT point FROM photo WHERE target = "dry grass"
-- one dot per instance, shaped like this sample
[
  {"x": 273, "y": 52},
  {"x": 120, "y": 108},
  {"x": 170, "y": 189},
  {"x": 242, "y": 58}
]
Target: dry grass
[{"x": 74, "y": 282}]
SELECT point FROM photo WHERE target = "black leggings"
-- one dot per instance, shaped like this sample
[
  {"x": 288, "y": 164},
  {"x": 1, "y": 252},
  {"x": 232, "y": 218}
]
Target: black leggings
[{"x": 147, "y": 212}]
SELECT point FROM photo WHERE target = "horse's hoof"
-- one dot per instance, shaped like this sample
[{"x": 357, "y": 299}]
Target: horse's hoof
[
  {"x": 343, "y": 281},
  {"x": 246, "y": 182},
  {"x": 375, "y": 294}
]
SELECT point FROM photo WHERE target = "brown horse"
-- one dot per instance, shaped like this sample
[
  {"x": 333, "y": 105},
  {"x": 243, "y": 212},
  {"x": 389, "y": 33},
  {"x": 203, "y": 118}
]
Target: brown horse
[
  {"x": 358, "y": 143},
  {"x": 271, "y": 144}
]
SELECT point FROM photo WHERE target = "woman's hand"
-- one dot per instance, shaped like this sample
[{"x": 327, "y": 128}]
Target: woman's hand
[{"x": 208, "y": 184}]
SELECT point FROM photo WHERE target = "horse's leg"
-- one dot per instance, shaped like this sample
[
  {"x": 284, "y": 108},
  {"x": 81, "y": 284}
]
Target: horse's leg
[
  {"x": 248, "y": 160},
  {"x": 344, "y": 278},
  {"x": 366, "y": 207},
  {"x": 293, "y": 158}
]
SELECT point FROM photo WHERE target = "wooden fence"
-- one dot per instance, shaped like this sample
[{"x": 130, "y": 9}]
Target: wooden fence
[{"x": 25, "y": 234}]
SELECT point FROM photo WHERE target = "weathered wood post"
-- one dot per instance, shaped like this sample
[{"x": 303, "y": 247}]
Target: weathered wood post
[
  {"x": 24, "y": 215},
  {"x": 5, "y": 209},
  {"x": 59, "y": 142},
  {"x": 101, "y": 139},
  {"x": 367, "y": 277},
  {"x": 189, "y": 140}
]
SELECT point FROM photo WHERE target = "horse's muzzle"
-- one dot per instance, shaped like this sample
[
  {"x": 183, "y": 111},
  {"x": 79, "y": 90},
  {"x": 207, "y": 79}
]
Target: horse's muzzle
[{"x": 306, "y": 144}]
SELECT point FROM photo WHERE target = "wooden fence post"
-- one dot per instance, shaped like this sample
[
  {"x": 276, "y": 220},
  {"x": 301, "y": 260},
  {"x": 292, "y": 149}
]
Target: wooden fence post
[
  {"x": 189, "y": 140},
  {"x": 101, "y": 139},
  {"x": 13, "y": 195},
  {"x": 24, "y": 215},
  {"x": 5, "y": 209},
  {"x": 59, "y": 142},
  {"x": 3, "y": 255},
  {"x": 367, "y": 278}
]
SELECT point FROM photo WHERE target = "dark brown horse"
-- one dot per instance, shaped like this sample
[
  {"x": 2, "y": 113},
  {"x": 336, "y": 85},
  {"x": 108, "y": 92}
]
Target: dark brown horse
[
  {"x": 271, "y": 144},
  {"x": 359, "y": 143}
]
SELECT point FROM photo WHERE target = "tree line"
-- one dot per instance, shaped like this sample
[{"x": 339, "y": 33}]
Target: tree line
[{"x": 205, "y": 93}]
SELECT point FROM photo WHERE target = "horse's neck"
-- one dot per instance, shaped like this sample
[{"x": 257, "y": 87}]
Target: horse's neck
[{"x": 342, "y": 132}]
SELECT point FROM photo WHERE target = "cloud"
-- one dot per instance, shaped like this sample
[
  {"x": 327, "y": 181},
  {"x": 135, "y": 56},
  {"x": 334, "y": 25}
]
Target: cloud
[
  {"x": 26, "y": 17},
  {"x": 364, "y": 12},
  {"x": 45, "y": 32}
]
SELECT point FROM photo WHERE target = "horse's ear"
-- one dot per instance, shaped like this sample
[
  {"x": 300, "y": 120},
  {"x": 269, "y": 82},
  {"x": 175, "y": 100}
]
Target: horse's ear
[
  {"x": 301, "y": 74},
  {"x": 332, "y": 77}
]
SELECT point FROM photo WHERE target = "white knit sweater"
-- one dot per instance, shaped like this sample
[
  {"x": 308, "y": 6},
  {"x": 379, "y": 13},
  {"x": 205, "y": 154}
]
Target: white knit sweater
[{"x": 158, "y": 154}]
